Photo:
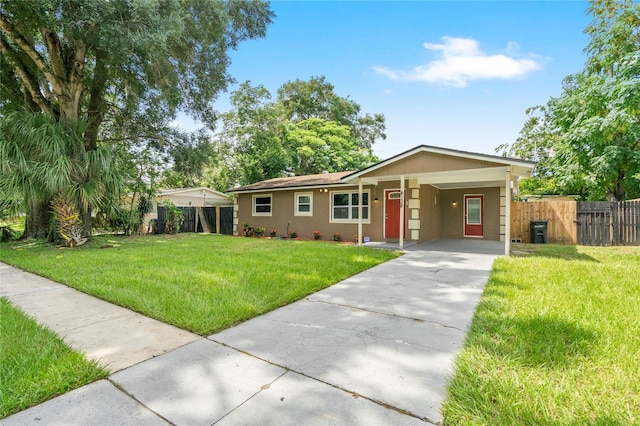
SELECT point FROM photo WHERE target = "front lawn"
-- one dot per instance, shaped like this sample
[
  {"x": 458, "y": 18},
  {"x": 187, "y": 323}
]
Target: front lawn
[
  {"x": 35, "y": 364},
  {"x": 199, "y": 282},
  {"x": 555, "y": 340}
]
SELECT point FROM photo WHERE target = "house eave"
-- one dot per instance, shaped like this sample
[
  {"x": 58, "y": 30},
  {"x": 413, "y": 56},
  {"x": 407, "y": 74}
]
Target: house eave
[{"x": 290, "y": 188}]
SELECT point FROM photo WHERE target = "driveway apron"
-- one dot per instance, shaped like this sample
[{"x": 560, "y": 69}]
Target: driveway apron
[
  {"x": 389, "y": 334},
  {"x": 376, "y": 348}
]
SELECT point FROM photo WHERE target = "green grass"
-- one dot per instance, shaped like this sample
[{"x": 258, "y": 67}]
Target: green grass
[
  {"x": 35, "y": 365},
  {"x": 199, "y": 282},
  {"x": 555, "y": 340}
]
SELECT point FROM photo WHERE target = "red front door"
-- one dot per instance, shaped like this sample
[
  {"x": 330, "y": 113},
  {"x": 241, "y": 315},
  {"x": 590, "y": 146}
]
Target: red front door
[
  {"x": 473, "y": 215},
  {"x": 392, "y": 214}
]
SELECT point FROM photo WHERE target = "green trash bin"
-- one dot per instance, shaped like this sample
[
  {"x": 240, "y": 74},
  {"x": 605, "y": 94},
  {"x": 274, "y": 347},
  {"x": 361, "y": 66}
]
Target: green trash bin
[{"x": 538, "y": 232}]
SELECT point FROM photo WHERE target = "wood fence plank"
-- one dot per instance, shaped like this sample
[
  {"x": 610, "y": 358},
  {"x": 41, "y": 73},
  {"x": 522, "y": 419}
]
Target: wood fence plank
[{"x": 560, "y": 217}]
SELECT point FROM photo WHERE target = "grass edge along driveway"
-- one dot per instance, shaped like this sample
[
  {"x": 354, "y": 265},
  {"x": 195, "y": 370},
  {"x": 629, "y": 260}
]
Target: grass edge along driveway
[
  {"x": 199, "y": 282},
  {"x": 554, "y": 340}
]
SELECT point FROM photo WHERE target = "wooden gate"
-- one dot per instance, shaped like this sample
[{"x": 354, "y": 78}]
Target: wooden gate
[
  {"x": 603, "y": 223},
  {"x": 626, "y": 223},
  {"x": 189, "y": 222},
  {"x": 226, "y": 220},
  {"x": 188, "y": 225}
]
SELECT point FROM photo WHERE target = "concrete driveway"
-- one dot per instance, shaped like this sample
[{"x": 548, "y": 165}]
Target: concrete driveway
[
  {"x": 389, "y": 334},
  {"x": 376, "y": 348}
]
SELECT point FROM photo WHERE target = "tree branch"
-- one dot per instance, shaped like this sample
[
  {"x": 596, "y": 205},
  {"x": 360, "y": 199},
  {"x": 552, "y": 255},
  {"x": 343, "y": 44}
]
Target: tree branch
[
  {"x": 59, "y": 75},
  {"x": 95, "y": 111},
  {"x": 13, "y": 33},
  {"x": 29, "y": 81}
]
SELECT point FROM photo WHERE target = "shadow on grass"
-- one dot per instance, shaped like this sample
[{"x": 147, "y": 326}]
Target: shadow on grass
[{"x": 553, "y": 251}]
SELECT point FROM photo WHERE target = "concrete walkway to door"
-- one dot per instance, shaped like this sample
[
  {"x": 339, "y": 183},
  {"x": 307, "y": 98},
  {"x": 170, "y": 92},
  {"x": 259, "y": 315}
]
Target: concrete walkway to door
[{"x": 376, "y": 348}]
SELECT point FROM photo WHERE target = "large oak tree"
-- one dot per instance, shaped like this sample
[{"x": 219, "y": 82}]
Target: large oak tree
[{"x": 119, "y": 70}]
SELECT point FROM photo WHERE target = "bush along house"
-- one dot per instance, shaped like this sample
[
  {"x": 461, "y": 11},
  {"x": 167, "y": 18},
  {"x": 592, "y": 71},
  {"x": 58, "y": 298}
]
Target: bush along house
[{"x": 423, "y": 194}]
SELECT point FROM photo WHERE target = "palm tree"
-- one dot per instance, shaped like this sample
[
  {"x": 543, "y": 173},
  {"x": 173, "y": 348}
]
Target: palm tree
[{"x": 43, "y": 162}]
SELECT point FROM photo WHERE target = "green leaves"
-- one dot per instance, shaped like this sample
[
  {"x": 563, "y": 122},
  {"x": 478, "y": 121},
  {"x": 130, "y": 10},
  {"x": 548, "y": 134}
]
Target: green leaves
[
  {"x": 593, "y": 127},
  {"x": 308, "y": 129}
]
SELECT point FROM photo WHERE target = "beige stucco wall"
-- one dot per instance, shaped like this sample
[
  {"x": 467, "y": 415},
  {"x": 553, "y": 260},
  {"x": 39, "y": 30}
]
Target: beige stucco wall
[
  {"x": 452, "y": 217},
  {"x": 425, "y": 162},
  {"x": 283, "y": 215},
  {"x": 438, "y": 219},
  {"x": 430, "y": 213}
]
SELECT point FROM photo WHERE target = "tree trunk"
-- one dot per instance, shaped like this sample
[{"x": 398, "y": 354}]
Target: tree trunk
[
  {"x": 86, "y": 222},
  {"x": 38, "y": 221}
]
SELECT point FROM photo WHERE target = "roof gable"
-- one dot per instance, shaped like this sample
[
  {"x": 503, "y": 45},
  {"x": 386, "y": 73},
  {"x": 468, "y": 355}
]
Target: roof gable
[{"x": 427, "y": 159}]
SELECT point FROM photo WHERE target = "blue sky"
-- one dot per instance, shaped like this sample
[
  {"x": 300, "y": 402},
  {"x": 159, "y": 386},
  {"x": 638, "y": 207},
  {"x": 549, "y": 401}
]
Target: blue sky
[{"x": 451, "y": 74}]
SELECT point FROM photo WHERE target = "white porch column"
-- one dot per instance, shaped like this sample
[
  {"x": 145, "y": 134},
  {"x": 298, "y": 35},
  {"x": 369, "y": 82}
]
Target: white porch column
[
  {"x": 401, "y": 242},
  {"x": 360, "y": 199},
  {"x": 507, "y": 207}
]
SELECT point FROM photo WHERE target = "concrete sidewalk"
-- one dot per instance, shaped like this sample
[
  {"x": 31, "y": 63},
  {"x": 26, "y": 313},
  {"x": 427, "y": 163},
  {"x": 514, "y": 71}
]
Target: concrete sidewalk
[
  {"x": 376, "y": 348},
  {"x": 117, "y": 337}
]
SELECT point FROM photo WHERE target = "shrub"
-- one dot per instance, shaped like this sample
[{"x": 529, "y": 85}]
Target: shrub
[
  {"x": 293, "y": 234},
  {"x": 247, "y": 230},
  {"x": 175, "y": 217},
  {"x": 273, "y": 233},
  {"x": 317, "y": 235},
  {"x": 337, "y": 237},
  {"x": 259, "y": 232}
]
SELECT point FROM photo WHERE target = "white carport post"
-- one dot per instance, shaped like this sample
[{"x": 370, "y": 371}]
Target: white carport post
[
  {"x": 507, "y": 214},
  {"x": 401, "y": 242},
  {"x": 360, "y": 200}
]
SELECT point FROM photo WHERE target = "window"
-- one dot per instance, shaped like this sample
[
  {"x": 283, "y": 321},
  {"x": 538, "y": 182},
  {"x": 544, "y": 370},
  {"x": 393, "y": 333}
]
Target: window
[
  {"x": 344, "y": 206},
  {"x": 304, "y": 204},
  {"x": 262, "y": 205}
]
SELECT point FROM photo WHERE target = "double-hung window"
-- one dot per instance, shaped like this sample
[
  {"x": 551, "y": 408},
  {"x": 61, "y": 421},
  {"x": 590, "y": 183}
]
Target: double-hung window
[
  {"x": 344, "y": 206},
  {"x": 262, "y": 205},
  {"x": 304, "y": 204}
]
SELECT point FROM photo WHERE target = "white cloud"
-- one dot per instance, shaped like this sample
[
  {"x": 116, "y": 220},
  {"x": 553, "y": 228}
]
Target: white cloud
[{"x": 462, "y": 61}]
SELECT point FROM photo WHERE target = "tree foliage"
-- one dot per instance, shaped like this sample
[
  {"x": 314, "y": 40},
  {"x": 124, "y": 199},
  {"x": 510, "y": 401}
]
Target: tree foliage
[
  {"x": 121, "y": 67},
  {"x": 593, "y": 127},
  {"x": 307, "y": 129}
]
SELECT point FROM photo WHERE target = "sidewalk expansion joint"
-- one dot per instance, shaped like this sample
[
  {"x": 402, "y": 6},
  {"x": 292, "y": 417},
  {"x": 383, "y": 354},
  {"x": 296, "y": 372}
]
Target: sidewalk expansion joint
[
  {"x": 386, "y": 314},
  {"x": 263, "y": 388},
  {"x": 130, "y": 395},
  {"x": 353, "y": 393}
]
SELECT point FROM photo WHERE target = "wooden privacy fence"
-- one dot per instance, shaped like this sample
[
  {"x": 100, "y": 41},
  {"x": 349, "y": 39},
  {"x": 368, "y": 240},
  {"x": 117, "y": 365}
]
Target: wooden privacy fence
[
  {"x": 560, "y": 217},
  {"x": 603, "y": 223},
  {"x": 592, "y": 223},
  {"x": 201, "y": 219}
]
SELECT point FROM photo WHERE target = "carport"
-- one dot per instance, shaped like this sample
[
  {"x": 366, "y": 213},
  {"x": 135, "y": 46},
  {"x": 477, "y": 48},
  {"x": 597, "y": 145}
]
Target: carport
[{"x": 446, "y": 194}]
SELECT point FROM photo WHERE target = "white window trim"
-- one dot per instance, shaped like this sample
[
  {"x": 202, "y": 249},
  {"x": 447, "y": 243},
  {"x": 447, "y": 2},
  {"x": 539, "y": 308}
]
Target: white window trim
[
  {"x": 253, "y": 205},
  {"x": 296, "y": 212},
  {"x": 349, "y": 191}
]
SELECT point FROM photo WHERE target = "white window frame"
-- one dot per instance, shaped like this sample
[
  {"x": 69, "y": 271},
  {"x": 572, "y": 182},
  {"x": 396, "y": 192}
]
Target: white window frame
[
  {"x": 253, "y": 203},
  {"x": 296, "y": 206},
  {"x": 350, "y": 206}
]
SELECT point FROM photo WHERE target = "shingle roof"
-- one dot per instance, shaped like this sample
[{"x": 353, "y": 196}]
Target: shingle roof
[{"x": 295, "y": 182}]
